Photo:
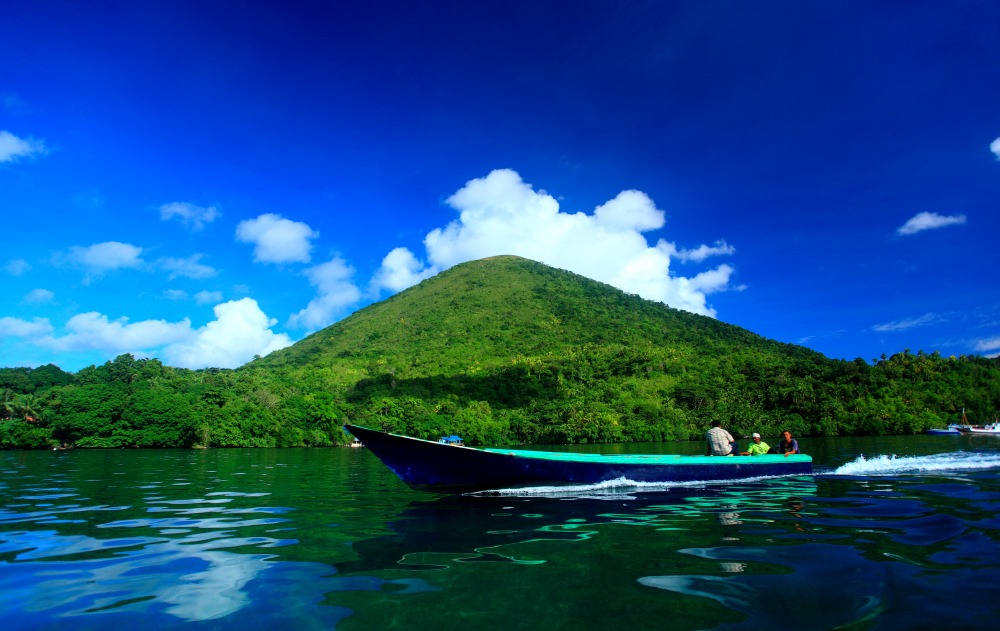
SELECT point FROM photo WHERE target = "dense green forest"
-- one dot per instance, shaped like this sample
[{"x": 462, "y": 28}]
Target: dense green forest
[{"x": 501, "y": 351}]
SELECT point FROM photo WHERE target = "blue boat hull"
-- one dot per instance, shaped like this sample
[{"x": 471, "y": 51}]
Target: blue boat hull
[{"x": 432, "y": 466}]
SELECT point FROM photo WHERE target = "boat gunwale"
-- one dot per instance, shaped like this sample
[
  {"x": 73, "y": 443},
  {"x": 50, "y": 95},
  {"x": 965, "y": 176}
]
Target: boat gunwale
[
  {"x": 618, "y": 459},
  {"x": 655, "y": 459}
]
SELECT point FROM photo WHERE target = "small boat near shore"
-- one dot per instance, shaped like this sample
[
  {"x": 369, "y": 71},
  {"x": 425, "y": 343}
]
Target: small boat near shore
[
  {"x": 433, "y": 466},
  {"x": 952, "y": 430},
  {"x": 993, "y": 429}
]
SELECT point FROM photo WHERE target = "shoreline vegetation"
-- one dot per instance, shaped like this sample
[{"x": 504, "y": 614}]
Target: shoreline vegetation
[{"x": 501, "y": 351}]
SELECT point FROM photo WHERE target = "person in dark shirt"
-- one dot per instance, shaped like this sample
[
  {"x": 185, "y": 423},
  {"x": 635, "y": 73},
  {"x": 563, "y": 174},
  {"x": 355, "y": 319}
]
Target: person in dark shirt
[{"x": 788, "y": 445}]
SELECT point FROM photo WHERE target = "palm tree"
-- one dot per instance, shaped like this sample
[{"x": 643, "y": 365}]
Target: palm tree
[
  {"x": 26, "y": 406},
  {"x": 9, "y": 404}
]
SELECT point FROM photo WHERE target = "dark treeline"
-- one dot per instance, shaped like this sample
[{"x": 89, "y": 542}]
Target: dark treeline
[
  {"x": 593, "y": 394},
  {"x": 500, "y": 351}
]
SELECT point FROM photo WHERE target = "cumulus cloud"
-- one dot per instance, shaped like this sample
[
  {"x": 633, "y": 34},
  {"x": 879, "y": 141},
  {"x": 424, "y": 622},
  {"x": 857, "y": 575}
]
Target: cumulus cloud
[
  {"x": 400, "y": 269},
  {"x": 13, "y": 148},
  {"x": 17, "y": 327},
  {"x": 276, "y": 239},
  {"x": 38, "y": 296},
  {"x": 104, "y": 257},
  {"x": 17, "y": 267},
  {"x": 629, "y": 211},
  {"x": 995, "y": 148},
  {"x": 189, "y": 267},
  {"x": 929, "y": 221},
  {"x": 501, "y": 214},
  {"x": 909, "y": 323},
  {"x": 987, "y": 344},
  {"x": 701, "y": 252},
  {"x": 335, "y": 291},
  {"x": 94, "y": 331},
  {"x": 240, "y": 331},
  {"x": 193, "y": 217},
  {"x": 205, "y": 297}
]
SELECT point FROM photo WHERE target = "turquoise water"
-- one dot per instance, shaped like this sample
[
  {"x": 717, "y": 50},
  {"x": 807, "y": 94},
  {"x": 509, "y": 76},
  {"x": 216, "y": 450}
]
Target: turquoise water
[{"x": 323, "y": 538}]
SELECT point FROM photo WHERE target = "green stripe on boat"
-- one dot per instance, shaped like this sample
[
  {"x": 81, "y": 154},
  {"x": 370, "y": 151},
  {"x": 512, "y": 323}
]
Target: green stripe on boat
[{"x": 649, "y": 458}]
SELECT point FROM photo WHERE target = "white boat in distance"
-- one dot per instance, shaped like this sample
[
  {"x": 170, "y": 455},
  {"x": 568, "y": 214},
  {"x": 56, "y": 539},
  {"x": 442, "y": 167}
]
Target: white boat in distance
[{"x": 993, "y": 429}]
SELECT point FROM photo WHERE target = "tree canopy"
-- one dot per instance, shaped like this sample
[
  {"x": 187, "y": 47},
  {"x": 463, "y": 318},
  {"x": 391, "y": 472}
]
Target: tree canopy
[{"x": 501, "y": 351}]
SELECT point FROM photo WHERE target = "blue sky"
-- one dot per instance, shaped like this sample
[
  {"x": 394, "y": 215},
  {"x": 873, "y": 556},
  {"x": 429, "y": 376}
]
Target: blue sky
[{"x": 207, "y": 181}]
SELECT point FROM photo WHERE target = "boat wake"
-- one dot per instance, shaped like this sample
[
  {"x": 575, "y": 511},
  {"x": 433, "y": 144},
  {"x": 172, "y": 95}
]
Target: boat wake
[
  {"x": 892, "y": 464},
  {"x": 620, "y": 488}
]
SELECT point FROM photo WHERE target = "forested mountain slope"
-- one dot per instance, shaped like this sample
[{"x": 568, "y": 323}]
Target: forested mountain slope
[
  {"x": 501, "y": 350},
  {"x": 506, "y": 349},
  {"x": 497, "y": 309}
]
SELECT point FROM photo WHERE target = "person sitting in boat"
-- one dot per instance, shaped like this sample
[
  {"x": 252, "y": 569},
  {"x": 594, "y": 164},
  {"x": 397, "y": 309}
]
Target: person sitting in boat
[
  {"x": 720, "y": 442},
  {"x": 757, "y": 448},
  {"x": 788, "y": 445}
]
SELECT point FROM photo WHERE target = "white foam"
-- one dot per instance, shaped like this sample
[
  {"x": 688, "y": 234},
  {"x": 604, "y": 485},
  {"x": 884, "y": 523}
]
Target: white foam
[
  {"x": 613, "y": 489},
  {"x": 889, "y": 464}
]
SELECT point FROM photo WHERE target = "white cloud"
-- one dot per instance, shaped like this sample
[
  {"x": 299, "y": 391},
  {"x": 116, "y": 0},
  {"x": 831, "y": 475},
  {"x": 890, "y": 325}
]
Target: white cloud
[
  {"x": 208, "y": 297},
  {"x": 702, "y": 252},
  {"x": 276, "y": 239},
  {"x": 240, "y": 331},
  {"x": 193, "y": 217},
  {"x": 929, "y": 221},
  {"x": 995, "y": 148},
  {"x": 987, "y": 344},
  {"x": 501, "y": 214},
  {"x": 175, "y": 294},
  {"x": 399, "y": 270},
  {"x": 903, "y": 325},
  {"x": 335, "y": 291},
  {"x": 94, "y": 331},
  {"x": 630, "y": 211},
  {"x": 107, "y": 256},
  {"x": 16, "y": 327},
  {"x": 17, "y": 267},
  {"x": 38, "y": 296},
  {"x": 189, "y": 267},
  {"x": 13, "y": 148}
]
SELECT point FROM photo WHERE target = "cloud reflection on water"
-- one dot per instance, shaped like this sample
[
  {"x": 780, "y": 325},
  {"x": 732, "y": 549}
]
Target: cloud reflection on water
[{"x": 202, "y": 582}]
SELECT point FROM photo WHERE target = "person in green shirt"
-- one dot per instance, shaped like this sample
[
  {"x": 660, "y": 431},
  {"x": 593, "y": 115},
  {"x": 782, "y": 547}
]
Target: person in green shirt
[{"x": 757, "y": 448}]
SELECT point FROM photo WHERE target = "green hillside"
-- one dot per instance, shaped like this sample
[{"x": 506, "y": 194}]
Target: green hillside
[
  {"x": 509, "y": 350},
  {"x": 490, "y": 312},
  {"x": 501, "y": 350}
]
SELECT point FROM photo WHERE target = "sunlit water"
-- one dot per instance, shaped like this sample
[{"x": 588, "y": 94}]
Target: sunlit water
[{"x": 890, "y": 533}]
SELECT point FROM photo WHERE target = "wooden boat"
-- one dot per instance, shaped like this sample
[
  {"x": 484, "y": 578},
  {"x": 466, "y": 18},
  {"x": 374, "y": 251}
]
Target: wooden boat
[
  {"x": 431, "y": 466},
  {"x": 993, "y": 429}
]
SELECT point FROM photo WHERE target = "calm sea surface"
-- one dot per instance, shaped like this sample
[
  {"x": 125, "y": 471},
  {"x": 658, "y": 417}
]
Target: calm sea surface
[{"x": 313, "y": 539}]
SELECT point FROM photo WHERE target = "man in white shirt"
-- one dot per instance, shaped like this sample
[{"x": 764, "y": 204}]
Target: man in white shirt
[{"x": 720, "y": 442}]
